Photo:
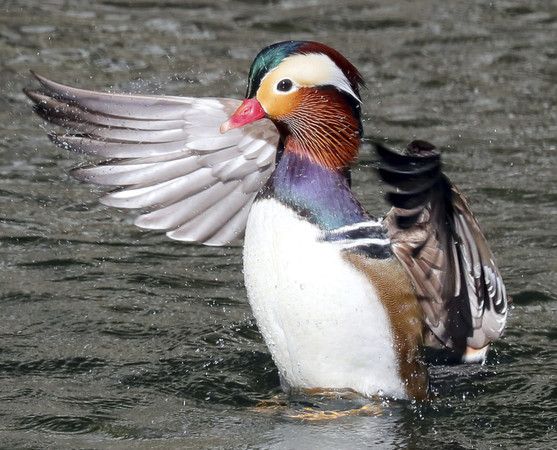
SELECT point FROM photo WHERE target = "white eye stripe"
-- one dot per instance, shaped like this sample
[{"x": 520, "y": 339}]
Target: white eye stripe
[
  {"x": 314, "y": 69},
  {"x": 342, "y": 83}
]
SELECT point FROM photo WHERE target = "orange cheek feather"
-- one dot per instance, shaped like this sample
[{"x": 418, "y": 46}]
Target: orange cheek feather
[{"x": 277, "y": 105}]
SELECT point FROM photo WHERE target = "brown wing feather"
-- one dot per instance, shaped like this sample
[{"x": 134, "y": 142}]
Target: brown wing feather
[{"x": 438, "y": 241}]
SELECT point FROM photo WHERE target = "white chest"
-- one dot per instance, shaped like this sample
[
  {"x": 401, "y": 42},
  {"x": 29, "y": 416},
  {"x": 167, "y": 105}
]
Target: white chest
[{"x": 319, "y": 316}]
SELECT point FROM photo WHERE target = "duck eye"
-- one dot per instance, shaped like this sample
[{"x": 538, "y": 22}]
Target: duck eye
[{"x": 284, "y": 85}]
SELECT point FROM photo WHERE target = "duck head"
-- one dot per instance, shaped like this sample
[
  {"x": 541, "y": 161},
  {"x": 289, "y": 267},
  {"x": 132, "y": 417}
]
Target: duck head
[{"x": 311, "y": 92}]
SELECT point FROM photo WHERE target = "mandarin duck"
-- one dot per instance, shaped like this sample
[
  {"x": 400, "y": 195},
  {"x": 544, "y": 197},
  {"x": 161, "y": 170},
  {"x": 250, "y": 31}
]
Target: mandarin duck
[{"x": 344, "y": 301}]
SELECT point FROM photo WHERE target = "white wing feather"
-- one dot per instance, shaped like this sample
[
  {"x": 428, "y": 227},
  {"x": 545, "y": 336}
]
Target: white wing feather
[{"x": 167, "y": 155}]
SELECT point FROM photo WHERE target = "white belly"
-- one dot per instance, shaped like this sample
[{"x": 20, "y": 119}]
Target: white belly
[{"x": 319, "y": 316}]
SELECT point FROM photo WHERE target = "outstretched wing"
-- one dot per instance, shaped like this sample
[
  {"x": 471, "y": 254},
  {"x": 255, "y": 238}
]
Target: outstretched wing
[
  {"x": 437, "y": 239},
  {"x": 167, "y": 156}
]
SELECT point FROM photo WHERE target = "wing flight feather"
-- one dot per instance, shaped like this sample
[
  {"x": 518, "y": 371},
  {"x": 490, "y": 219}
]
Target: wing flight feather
[
  {"x": 437, "y": 239},
  {"x": 166, "y": 156}
]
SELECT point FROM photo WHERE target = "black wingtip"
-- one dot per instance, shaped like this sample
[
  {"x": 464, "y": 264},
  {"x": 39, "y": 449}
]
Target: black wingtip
[
  {"x": 408, "y": 200},
  {"x": 417, "y": 152},
  {"x": 406, "y": 221},
  {"x": 413, "y": 171},
  {"x": 412, "y": 176},
  {"x": 421, "y": 149}
]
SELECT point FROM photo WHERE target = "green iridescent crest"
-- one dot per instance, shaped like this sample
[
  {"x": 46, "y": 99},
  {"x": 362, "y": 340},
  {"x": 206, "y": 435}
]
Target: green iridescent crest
[{"x": 267, "y": 59}]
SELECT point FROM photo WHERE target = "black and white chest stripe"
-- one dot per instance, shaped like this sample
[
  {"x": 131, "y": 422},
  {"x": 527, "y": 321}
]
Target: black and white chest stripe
[{"x": 368, "y": 238}]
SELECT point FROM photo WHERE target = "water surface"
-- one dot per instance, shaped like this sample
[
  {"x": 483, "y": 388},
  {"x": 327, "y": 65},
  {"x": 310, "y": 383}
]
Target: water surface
[{"x": 113, "y": 337}]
